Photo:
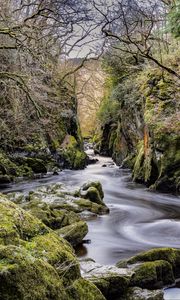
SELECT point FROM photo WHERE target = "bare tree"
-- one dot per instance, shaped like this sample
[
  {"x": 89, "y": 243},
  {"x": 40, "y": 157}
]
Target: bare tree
[{"x": 137, "y": 27}]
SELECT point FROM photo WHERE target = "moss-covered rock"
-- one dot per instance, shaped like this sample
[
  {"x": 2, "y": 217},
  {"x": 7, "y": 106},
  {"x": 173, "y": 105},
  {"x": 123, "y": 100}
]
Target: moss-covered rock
[
  {"x": 85, "y": 204},
  {"x": 57, "y": 252},
  {"x": 74, "y": 233},
  {"x": 50, "y": 216},
  {"x": 153, "y": 275},
  {"x": 59, "y": 202},
  {"x": 36, "y": 263},
  {"x": 74, "y": 157},
  {"x": 169, "y": 255},
  {"x": 93, "y": 195},
  {"x": 93, "y": 192},
  {"x": 82, "y": 289},
  {"x": 111, "y": 281},
  {"x": 24, "y": 277},
  {"x": 95, "y": 184},
  {"x": 16, "y": 224},
  {"x": 37, "y": 165}
]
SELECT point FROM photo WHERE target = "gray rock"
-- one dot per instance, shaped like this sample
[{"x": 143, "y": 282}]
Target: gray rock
[
  {"x": 111, "y": 281},
  {"x": 143, "y": 294}
]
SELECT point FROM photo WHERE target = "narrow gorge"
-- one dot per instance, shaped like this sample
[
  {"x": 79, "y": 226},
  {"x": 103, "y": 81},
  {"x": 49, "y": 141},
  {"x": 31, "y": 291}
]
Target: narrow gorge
[{"x": 89, "y": 150}]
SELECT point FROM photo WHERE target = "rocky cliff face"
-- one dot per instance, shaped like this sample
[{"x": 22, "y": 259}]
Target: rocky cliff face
[{"x": 145, "y": 133}]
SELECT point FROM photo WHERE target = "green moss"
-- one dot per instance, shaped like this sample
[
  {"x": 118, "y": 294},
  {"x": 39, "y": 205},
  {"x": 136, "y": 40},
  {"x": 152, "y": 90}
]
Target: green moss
[
  {"x": 74, "y": 233},
  {"x": 56, "y": 251},
  {"x": 49, "y": 215},
  {"x": 17, "y": 224},
  {"x": 37, "y": 165},
  {"x": 170, "y": 255},
  {"x": 95, "y": 184},
  {"x": 24, "y": 277},
  {"x": 93, "y": 195},
  {"x": 85, "y": 204},
  {"x": 139, "y": 160},
  {"x": 80, "y": 160},
  {"x": 153, "y": 275},
  {"x": 111, "y": 285},
  {"x": 72, "y": 153},
  {"x": 83, "y": 289}
]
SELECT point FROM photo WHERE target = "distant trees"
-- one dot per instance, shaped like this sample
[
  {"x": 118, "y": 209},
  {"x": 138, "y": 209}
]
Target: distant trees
[
  {"x": 138, "y": 28},
  {"x": 34, "y": 38}
]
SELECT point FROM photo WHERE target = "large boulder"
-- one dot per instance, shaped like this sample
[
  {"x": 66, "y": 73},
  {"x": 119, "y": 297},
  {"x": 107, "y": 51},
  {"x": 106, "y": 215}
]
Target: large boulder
[
  {"x": 153, "y": 269},
  {"x": 82, "y": 289},
  {"x": 74, "y": 233},
  {"x": 95, "y": 184},
  {"x": 24, "y": 277},
  {"x": 170, "y": 255},
  {"x": 37, "y": 165},
  {"x": 92, "y": 191},
  {"x": 152, "y": 275},
  {"x": 110, "y": 280}
]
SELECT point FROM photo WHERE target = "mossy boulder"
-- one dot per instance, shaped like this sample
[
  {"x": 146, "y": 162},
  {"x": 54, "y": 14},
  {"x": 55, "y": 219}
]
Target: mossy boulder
[
  {"x": 92, "y": 191},
  {"x": 93, "y": 195},
  {"x": 85, "y": 204},
  {"x": 8, "y": 170},
  {"x": 111, "y": 281},
  {"x": 170, "y": 255},
  {"x": 5, "y": 179},
  {"x": 50, "y": 216},
  {"x": 153, "y": 275},
  {"x": 37, "y": 165},
  {"x": 95, "y": 184},
  {"x": 74, "y": 233},
  {"x": 72, "y": 154},
  {"x": 24, "y": 277},
  {"x": 35, "y": 263},
  {"x": 82, "y": 289},
  {"x": 57, "y": 252},
  {"x": 16, "y": 224}
]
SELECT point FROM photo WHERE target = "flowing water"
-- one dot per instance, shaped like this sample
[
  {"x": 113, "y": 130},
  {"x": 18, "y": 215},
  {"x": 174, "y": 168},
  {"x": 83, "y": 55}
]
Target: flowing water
[{"x": 138, "y": 219}]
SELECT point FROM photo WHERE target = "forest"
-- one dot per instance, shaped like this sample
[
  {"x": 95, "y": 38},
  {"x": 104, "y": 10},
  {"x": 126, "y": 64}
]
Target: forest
[{"x": 89, "y": 149}]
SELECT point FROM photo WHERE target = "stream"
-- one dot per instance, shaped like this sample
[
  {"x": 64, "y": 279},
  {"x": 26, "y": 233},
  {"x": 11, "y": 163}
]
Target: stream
[{"x": 139, "y": 219}]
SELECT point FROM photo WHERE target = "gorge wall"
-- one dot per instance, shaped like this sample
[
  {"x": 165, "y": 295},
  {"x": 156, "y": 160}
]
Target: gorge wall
[{"x": 140, "y": 128}]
